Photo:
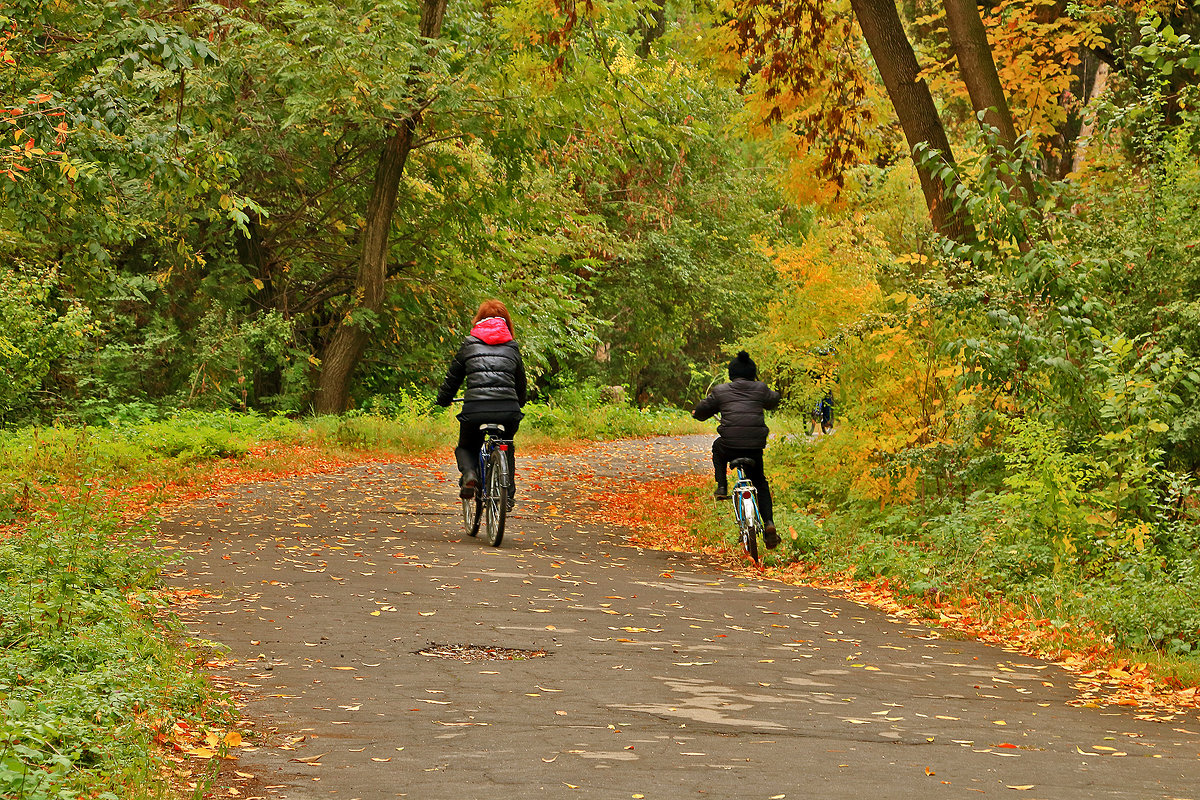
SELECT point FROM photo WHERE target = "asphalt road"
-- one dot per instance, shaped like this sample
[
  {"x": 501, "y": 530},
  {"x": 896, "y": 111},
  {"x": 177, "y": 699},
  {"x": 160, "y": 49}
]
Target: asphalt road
[{"x": 359, "y": 619}]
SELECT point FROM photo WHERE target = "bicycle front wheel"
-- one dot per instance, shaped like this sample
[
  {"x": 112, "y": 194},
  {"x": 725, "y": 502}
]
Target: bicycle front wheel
[
  {"x": 496, "y": 498},
  {"x": 471, "y": 512}
]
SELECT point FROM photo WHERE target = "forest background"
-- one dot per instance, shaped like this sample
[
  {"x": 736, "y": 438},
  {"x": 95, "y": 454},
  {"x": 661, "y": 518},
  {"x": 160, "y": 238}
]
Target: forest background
[{"x": 975, "y": 225}]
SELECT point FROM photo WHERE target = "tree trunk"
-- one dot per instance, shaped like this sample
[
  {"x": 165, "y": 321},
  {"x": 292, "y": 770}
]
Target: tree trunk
[
  {"x": 978, "y": 68},
  {"x": 350, "y": 339},
  {"x": 1084, "y": 141},
  {"x": 653, "y": 28},
  {"x": 893, "y": 54}
]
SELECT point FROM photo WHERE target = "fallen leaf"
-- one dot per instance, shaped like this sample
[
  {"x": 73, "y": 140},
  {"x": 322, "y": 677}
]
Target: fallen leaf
[
  {"x": 929, "y": 771},
  {"x": 309, "y": 759},
  {"x": 1023, "y": 788}
]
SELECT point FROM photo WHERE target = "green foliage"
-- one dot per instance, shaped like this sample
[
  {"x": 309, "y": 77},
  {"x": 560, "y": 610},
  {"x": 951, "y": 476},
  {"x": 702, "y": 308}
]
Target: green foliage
[
  {"x": 582, "y": 412},
  {"x": 36, "y": 333},
  {"x": 86, "y": 678},
  {"x": 216, "y": 165}
]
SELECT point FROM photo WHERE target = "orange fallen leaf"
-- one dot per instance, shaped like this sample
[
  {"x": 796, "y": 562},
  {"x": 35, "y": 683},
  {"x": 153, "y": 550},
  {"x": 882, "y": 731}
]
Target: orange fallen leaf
[{"x": 929, "y": 771}]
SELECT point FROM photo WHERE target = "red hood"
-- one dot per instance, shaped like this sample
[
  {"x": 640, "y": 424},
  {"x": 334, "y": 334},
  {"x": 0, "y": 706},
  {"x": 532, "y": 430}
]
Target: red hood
[{"x": 493, "y": 330}]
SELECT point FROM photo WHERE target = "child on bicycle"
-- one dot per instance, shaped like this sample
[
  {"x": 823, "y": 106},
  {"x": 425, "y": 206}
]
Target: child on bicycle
[
  {"x": 489, "y": 363},
  {"x": 742, "y": 432}
]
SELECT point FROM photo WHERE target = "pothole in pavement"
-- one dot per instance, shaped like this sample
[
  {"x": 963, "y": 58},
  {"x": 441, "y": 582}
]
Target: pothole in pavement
[{"x": 475, "y": 652}]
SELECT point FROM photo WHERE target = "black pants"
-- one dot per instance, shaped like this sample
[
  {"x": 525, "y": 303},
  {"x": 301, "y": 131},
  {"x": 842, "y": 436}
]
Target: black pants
[
  {"x": 470, "y": 439},
  {"x": 723, "y": 454}
]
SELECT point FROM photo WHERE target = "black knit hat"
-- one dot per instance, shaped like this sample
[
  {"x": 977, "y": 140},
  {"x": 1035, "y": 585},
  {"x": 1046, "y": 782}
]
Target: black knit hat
[{"x": 743, "y": 367}]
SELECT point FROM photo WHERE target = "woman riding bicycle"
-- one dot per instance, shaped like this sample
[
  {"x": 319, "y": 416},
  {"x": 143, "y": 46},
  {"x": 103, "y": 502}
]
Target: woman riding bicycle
[
  {"x": 742, "y": 432},
  {"x": 489, "y": 364}
]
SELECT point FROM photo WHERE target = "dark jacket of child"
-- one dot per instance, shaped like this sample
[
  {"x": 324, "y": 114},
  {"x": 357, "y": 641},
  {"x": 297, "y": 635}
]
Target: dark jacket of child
[{"x": 740, "y": 403}]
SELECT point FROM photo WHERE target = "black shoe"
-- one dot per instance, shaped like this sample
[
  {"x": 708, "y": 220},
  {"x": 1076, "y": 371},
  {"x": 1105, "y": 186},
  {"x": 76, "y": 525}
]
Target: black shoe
[
  {"x": 467, "y": 486},
  {"x": 722, "y": 493},
  {"x": 512, "y": 497},
  {"x": 770, "y": 537}
]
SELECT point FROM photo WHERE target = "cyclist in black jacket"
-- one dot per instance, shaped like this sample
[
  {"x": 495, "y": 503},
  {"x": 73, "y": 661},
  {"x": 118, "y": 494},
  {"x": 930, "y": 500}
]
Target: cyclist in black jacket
[
  {"x": 489, "y": 365},
  {"x": 742, "y": 432}
]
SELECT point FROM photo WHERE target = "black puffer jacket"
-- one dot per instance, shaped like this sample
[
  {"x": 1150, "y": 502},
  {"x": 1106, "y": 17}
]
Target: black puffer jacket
[
  {"x": 493, "y": 373},
  {"x": 741, "y": 404}
]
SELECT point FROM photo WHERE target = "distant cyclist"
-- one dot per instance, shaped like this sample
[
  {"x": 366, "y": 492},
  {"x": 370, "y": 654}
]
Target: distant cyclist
[
  {"x": 742, "y": 432},
  {"x": 489, "y": 364}
]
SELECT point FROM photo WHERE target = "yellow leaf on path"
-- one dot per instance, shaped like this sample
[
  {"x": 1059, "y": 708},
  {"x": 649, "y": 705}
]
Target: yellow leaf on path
[
  {"x": 570, "y": 785},
  {"x": 380, "y": 759},
  {"x": 201, "y": 752},
  {"x": 999, "y": 722},
  {"x": 1023, "y": 788},
  {"x": 233, "y": 739},
  {"x": 426, "y": 613}
]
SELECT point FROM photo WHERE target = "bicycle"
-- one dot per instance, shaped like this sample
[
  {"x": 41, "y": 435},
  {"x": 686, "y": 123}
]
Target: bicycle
[
  {"x": 495, "y": 486},
  {"x": 745, "y": 509},
  {"x": 822, "y": 415}
]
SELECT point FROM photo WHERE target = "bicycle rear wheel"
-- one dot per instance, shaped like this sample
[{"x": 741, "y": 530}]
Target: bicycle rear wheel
[
  {"x": 496, "y": 499},
  {"x": 750, "y": 542}
]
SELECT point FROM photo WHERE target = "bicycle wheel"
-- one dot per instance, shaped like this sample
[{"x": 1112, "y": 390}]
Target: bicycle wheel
[
  {"x": 496, "y": 498},
  {"x": 471, "y": 510},
  {"x": 745, "y": 511},
  {"x": 750, "y": 540}
]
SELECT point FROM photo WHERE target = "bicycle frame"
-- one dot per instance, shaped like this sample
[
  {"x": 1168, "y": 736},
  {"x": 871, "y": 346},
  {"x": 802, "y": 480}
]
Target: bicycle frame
[{"x": 745, "y": 511}]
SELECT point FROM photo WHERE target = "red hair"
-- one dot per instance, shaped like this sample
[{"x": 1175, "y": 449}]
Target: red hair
[{"x": 493, "y": 308}]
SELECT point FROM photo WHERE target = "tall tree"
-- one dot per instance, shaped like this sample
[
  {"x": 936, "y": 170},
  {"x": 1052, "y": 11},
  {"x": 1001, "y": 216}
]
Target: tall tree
[
  {"x": 978, "y": 68},
  {"x": 910, "y": 96},
  {"x": 353, "y": 332}
]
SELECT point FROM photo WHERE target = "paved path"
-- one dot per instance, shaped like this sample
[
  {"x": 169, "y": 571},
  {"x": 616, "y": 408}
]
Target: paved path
[{"x": 662, "y": 677}]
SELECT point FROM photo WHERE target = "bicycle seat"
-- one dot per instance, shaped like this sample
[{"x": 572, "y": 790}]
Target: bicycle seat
[
  {"x": 492, "y": 428},
  {"x": 742, "y": 463}
]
